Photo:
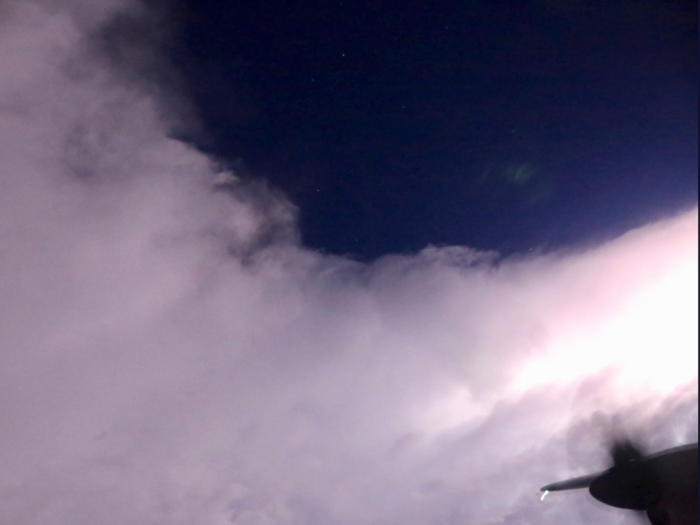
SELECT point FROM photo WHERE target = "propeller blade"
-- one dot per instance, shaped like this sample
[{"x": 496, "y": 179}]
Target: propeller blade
[
  {"x": 573, "y": 483},
  {"x": 624, "y": 450},
  {"x": 658, "y": 517}
]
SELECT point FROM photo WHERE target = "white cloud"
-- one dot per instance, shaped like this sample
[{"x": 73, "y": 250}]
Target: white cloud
[{"x": 171, "y": 355}]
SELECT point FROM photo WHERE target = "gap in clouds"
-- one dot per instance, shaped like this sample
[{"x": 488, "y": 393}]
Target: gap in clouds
[{"x": 171, "y": 354}]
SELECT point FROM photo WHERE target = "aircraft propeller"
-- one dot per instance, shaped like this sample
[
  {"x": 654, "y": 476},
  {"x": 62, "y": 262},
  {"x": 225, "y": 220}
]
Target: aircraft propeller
[{"x": 663, "y": 485}]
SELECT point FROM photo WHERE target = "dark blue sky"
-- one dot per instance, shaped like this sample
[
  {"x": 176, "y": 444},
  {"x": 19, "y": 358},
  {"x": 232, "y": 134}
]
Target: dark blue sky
[{"x": 498, "y": 125}]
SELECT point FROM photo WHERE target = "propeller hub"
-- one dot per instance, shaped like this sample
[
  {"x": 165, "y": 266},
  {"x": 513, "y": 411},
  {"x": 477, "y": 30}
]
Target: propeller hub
[{"x": 630, "y": 486}]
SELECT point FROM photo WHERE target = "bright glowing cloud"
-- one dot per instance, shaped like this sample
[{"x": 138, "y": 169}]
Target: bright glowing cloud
[
  {"x": 171, "y": 354},
  {"x": 640, "y": 327}
]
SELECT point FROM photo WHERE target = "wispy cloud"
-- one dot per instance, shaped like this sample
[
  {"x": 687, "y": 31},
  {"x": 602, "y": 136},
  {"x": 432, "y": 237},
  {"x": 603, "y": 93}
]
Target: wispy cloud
[{"x": 171, "y": 354}]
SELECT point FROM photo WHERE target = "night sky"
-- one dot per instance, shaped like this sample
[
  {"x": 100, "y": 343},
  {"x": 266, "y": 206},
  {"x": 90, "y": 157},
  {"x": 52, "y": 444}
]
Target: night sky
[{"x": 499, "y": 125}]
